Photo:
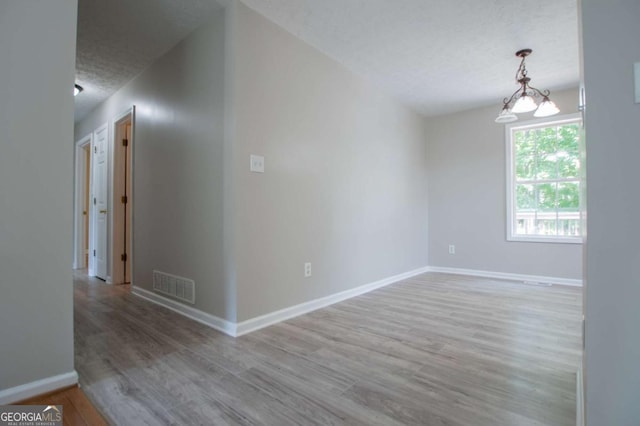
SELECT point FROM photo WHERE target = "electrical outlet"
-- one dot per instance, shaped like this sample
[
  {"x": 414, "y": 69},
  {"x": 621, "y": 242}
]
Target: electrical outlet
[
  {"x": 452, "y": 249},
  {"x": 256, "y": 163},
  {"x": 307, "y": 269}
]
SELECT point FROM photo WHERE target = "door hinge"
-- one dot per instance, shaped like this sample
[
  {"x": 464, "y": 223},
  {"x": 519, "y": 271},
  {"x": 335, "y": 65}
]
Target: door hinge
[
  {"x": 125, "y": 142},
  {"x": 123, "y": 257},
  {"x": 124, "y": 199},
  {"x": 94, "y": 253}
]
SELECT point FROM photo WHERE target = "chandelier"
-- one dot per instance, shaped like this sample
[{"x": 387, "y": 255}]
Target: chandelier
[{"x": 523, "y": 99}]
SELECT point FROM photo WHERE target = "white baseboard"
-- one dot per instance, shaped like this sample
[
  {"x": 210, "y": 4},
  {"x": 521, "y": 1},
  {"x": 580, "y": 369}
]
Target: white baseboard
[
  {"x": 507, "y": 276},
  {"x": 212, "y": 321},
  {"x": 238, "y": 329},
  {"x": 271, "y": 318},
  {"x": 39, "y": 387},
  {"x": 253, "y": 324},
  {"x": 579, "y": 399}
]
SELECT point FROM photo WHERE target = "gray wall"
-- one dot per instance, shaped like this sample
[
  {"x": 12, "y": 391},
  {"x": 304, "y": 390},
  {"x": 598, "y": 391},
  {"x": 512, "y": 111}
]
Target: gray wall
[
  {"x": 37, "y": 47},
  {"x": 345, "y": 181},
  {"x": 611, "y": 46},
  {"x": 467, "y": 199},
  {"x": 178, "y": 165}
]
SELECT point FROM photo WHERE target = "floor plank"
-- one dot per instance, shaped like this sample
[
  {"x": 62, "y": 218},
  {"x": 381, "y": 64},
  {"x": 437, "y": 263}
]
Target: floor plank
[
  {"x": 435, "y": 349},
  {"x": 77, "y": 410}
]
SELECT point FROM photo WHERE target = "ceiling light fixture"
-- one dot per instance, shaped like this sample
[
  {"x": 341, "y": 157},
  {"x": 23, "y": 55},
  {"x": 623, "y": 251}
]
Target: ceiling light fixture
[
  {"x": 77, "y": 89},
  {"x": 523, "y": 99}
]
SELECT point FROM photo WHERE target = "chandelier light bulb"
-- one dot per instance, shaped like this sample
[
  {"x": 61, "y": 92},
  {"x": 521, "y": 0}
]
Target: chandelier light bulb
[
  {"x": 506, "y": 116},
  {"x": 546, "y": 109},
  {"x": 525, "y": 103}
]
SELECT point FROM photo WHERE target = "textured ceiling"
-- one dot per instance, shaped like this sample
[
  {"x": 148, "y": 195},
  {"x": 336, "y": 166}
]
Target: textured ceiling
[
  {"x": 438, "y": 56},
  {"x": 117, "y": 39}
]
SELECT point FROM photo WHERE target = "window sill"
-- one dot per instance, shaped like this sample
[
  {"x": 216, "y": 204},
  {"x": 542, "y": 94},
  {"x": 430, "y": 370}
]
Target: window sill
[{"x": 534, "y": 239}]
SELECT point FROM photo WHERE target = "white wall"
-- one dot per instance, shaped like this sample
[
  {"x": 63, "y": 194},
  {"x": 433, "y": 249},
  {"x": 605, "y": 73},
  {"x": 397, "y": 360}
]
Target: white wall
[
  {"x": 37, "y": 47},
  {"x": 178, "y": 165},
  {"x": 345, "y": 181},
  {"x": 467, "y": 199},
  {"x": 611, "y": 46}
]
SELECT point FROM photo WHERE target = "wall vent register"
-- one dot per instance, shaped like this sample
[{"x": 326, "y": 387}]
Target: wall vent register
[{"x": 172, "y": 285}]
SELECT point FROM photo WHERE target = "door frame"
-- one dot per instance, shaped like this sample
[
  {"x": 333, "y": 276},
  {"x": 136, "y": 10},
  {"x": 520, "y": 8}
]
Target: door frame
[
  {"x": 79, "y": 202},
  {"x": 116, "y": 237}
]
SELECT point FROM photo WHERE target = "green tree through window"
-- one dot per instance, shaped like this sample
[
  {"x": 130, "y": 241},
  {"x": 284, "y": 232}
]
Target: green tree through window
[{"x": 545, "y": 180}]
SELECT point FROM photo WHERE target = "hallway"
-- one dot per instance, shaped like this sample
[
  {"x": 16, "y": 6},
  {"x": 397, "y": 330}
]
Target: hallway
[{"x": 435, "y": 349}]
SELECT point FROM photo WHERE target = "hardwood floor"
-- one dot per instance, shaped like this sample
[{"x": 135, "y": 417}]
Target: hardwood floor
[
  {"x": 77, "y": 410},
  {"x": 435, "y": 349}
]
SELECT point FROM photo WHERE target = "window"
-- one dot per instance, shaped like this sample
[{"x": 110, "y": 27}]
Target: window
[{"x": 543, "y": 181}]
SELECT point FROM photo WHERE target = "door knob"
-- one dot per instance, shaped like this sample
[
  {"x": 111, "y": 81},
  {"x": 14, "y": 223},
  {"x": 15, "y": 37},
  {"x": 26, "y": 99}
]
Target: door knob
[{"x": 103, "y": 211}]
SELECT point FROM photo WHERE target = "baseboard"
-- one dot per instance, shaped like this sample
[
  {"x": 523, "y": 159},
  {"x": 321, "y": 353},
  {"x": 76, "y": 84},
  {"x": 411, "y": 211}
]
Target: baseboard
[
  {"x": 507, "y": 276},
  {"x": 271, "y": 318},
  {"x": 253, "y": 324},
  {"x": 202, "y": 317},
  {"x": 579, "y": 399},
  {"x": 38, "y": 387}
]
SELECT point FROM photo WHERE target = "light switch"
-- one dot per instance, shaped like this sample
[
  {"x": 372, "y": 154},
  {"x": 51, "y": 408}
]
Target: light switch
[
  {"x": 256, "y": 163},
  {"x": 636, "y": 73}
]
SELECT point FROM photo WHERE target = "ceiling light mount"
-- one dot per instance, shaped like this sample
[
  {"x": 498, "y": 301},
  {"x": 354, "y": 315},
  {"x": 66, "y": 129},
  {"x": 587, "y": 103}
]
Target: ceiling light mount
[
  {"x": 523, "y": 53},
  {"x": 523, "y": 99}
]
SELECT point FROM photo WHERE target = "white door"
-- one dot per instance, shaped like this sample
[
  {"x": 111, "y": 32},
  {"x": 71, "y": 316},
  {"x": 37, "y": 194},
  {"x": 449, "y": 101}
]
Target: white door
[{"x": 100, "y": 203}]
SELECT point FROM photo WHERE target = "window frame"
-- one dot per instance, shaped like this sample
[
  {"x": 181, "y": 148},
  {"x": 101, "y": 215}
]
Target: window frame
[{"x": 511, "y": 181}]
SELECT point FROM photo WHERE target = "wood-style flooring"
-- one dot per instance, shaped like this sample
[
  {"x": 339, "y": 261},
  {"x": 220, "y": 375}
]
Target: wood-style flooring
[
  {"x": 77, "y": 410},
  {"x": 435, "y": 349}
]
